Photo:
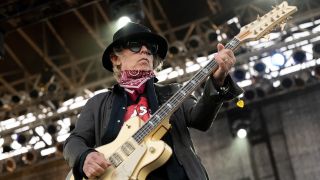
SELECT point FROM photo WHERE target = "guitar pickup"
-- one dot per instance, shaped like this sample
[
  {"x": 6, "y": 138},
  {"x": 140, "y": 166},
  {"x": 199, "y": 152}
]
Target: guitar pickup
[{"x": 127, "y": 148}]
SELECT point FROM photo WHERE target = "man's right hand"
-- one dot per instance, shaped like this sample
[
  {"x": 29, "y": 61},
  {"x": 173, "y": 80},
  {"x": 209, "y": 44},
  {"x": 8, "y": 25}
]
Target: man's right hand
[{"x": 95, "y": 164}]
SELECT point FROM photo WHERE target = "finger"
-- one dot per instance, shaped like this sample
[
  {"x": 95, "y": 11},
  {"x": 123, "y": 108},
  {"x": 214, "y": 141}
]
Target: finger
[
  {"x": 220, "y": 47},
  {"x": 97, "y": 169},
  {"x": 92, "y": 173},
  {"x": 93, "y": 164},
  {"x": 101, "y": 161}
]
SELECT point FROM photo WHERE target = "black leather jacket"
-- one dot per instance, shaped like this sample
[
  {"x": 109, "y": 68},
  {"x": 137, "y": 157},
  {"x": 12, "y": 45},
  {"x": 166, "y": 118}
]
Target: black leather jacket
[{"x": 92, "y": 125}]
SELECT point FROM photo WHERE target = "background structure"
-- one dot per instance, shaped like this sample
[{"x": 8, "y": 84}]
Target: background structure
[{"x": 50, "y": 64}]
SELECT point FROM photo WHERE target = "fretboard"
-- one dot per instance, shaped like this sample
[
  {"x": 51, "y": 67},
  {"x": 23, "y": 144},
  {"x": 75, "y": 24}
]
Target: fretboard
[{"x": 176, "y": 100}]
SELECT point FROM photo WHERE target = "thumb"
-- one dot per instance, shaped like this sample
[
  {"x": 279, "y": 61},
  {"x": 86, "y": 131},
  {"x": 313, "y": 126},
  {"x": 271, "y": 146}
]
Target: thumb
[{"x": 220, "y": 47}]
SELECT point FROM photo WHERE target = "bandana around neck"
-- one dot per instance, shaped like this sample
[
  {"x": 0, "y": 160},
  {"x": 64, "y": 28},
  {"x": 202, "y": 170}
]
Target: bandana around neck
[{"x": 133, "y": 81}]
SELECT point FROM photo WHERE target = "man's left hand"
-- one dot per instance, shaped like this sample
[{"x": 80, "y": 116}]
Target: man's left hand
[{"x": 225, "y": 59}]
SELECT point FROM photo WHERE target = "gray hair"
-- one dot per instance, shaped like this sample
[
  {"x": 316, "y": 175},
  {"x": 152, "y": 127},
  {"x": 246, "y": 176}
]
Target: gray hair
[{"x": 157, "y": 65}]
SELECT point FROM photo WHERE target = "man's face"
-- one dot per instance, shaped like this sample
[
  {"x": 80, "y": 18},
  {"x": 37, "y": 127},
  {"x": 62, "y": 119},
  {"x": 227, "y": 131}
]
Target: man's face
[{"x": 134, "y": 57}]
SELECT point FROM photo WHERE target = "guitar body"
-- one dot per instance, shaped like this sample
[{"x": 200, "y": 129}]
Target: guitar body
[{"x": 146, "y": 156}]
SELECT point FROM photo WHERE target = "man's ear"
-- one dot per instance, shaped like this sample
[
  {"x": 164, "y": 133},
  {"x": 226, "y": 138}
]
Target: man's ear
[{"x": 115, "y": 59}]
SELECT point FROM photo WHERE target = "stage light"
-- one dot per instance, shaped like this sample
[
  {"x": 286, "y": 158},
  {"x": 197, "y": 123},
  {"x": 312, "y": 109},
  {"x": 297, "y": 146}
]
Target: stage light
[
  {"x": 302, "y": 78},
  {"x": 260, "y": 67},
  {"x": 211, "y": 36},
  {"x": 15, "y": 99},
  {"x": 52, "y": 87},
  {"x": 239, "y": 74},
  {"x": 242, "y": 133},
  {"x": 194, "y": 42},
  {"x": 173, "y": 50},
  {"x": 122, "y": 21},
  {"x": 278, "y": 59},
  {"x": 286, "y": 82},
  {"x": 29, "y": 157},
  {"x": 21, "y": 139},
  {"x": 10, "y": 164},
  {"x": 130, "y": 8},
  {"x": 34, "y": 94},
  {"x": 299, "y": 56},
  {"x": 240, "y": 128},
  {"x": 6, "y": 148},
  {"x": 299, "y": 82},
  {"x": 53, "y": 128},
  {"x": 177, "y": 47}
]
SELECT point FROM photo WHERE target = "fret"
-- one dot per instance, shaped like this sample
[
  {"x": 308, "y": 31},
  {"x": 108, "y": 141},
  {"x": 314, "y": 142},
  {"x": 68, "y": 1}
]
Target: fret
[{"x": 150, "y": 123}]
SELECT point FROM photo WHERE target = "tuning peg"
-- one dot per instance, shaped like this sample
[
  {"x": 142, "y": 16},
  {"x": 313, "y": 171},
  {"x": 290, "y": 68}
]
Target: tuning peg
[
  {"x": 255, "y": 32},
  {"x": 282, "y": 25},
  {"x": 272, "y": 19},
  {"x": 258, "y": 18},
  {"x": 267, "y": 37}
]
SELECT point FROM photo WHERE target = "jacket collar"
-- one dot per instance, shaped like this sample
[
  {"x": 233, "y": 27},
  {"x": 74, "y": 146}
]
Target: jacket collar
[{"x": 150, "y": 91}]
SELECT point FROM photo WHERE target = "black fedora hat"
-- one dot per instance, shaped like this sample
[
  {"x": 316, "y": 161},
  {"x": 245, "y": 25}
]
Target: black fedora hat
[{"x": 134, "y": 30}]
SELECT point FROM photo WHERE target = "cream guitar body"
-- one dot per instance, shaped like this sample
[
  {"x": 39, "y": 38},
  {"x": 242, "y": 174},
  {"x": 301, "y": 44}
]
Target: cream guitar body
[{"x": 131, "y": 160}]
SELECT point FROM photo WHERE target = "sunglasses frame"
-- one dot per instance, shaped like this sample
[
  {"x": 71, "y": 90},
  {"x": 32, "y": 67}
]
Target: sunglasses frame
[{"x": 136, "y": 45}]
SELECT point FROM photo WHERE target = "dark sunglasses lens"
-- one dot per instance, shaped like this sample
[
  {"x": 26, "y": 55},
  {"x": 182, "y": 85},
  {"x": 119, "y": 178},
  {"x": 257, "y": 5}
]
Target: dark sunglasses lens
[
  {"x": 134, "y": 46},
  {"x": 152, "y": 47}
]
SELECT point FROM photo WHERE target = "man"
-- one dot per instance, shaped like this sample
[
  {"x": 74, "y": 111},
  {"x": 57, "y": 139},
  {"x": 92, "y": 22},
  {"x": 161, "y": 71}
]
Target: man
[{"x": 132, "y": 56}]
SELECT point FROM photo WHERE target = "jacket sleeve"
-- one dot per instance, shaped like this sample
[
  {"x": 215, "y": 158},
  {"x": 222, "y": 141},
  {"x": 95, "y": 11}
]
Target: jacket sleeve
[
  {"x": 201, "y": 113},
  {"x": 82, "y": 138}
]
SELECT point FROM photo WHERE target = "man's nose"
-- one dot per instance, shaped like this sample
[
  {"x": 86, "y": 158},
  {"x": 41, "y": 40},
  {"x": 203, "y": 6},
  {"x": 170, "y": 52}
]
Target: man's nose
[{"x": 144, "y": 49}]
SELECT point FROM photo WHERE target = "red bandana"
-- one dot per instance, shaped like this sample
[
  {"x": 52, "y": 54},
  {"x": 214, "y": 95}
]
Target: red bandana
[{"x": 133, "y": 81}]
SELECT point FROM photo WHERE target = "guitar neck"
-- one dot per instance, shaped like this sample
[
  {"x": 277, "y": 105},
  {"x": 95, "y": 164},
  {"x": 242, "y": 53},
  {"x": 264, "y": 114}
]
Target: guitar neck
[{"x": 176, "y": 100}]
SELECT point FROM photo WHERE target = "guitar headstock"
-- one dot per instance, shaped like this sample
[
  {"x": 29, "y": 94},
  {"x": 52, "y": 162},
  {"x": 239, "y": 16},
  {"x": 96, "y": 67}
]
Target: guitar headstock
[{"x": 263, "y": 25}]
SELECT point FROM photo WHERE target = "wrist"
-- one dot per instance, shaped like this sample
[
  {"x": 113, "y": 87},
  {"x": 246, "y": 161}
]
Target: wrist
[{"x": 220, "y": 85}]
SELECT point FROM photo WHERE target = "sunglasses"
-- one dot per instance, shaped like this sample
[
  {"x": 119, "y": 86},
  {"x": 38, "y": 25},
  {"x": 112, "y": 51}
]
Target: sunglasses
[{"x": 135, "y": 46}]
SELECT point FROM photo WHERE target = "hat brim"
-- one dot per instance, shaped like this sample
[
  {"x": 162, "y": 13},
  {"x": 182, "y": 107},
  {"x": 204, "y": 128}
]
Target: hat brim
[{"x": 162, "y": 47}]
